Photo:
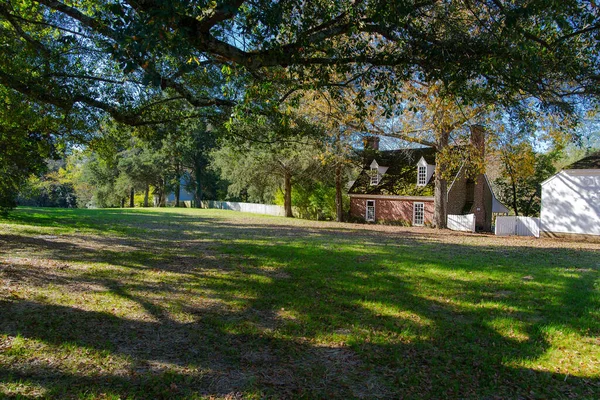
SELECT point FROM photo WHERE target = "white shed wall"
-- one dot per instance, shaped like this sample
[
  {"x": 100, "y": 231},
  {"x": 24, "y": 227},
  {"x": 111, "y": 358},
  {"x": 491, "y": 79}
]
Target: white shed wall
[{"x": 571, "y": 203}]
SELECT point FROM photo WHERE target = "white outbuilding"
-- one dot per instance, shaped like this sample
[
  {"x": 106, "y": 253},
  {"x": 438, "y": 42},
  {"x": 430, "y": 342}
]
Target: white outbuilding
[{"x": 571, "y": 200}]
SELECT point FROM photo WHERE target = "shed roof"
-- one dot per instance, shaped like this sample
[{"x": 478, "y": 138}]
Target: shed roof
[{"x": 590, "y": 162}]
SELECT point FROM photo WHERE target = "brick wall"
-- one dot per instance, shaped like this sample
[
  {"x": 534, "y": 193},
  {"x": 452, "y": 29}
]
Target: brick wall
[
  {"x": 358, "y": 208},
  {"x": 390, "y": 209},
  {"x": 457, "y": 195}
]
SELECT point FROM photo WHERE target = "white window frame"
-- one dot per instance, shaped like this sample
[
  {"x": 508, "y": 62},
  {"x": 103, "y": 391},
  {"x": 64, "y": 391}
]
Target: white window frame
[
  {"x": 372, "y": 219},
  {"x": 421, "y": 175},
  {"x": 418, "y": 204},
  {"x": 374, "y": 176}
]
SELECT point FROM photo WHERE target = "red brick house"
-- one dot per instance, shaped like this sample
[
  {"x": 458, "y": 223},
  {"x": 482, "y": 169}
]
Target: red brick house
[{"x": 398, "y": 185}]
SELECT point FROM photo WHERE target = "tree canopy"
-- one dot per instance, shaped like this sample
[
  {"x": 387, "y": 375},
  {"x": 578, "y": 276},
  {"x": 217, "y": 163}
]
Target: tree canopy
[{"x": 122, "y": 57}]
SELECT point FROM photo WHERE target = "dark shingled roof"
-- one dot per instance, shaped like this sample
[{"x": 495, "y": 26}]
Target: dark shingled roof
[
  {"x": 401, "y": 176},
  {"x": 590, "y": 162}
]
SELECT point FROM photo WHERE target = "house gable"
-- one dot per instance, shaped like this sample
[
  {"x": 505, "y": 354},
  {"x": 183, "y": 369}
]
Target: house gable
[
  {"x": 587, "y": 166},
  {"x": 571, "y": 199},
  {"x": 571, "y": 202}
]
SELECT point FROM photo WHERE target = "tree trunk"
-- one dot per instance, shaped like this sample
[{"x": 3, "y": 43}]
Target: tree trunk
[
  {"x": 177, "y": 193},
  {"x": 131, "y": 198},
  {"x": 287, "y": 202},
  {"x": 146, "y": 195},
  {"x": 123, "y": 202},
  {"x": 527, "y": 211},
  {"x": 163, "y": 198},
  {"x": 198, "y": 177},
  {"x": 338, "y": 194},
  {"x": 440, "y": 215},
  {"x": 514, "y": 196}
]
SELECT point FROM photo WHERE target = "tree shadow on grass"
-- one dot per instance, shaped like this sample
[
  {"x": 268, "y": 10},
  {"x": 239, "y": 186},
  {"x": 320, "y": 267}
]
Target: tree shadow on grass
[
  {"x": 225, "y": 352},
  {"x": 309, "y": 314}
]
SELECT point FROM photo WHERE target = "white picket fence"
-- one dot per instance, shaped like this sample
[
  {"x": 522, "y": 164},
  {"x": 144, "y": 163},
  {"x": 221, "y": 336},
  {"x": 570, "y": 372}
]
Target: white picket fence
[
  {"x": 519, "y": 226},
  {"x": 268, "y": 209},
  {"x": 464, "y": 223}
]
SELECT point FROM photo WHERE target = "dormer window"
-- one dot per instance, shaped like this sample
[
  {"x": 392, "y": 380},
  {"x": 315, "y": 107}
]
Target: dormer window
[
  {"x": 424, "y": 172},
  {"x": 422, "y": 176},
  {"x": 376, "y": 172},
  {"x": 374, "y": 176}
]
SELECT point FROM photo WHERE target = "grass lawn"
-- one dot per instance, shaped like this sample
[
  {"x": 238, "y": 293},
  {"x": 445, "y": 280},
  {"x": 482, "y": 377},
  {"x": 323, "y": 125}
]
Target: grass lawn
[{"x": 217, "y": 304}]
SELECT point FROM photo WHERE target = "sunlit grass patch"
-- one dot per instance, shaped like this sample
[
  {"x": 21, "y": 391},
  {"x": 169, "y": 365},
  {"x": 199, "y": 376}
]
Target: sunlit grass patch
[
  {"x": 26, "y": 355},
  {"x": 510, "y": 328},
  {"x": 22, "y": 389}
]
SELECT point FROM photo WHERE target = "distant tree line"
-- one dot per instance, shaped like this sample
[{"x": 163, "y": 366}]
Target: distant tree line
[{"x": 127, "y": 167}]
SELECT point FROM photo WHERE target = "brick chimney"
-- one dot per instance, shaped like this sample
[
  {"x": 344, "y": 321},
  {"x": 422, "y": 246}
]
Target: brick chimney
[
  {"x": 482, "y": 220},
  {"x": 478, "y": 138},
  {"x": 371, "y": 142}
]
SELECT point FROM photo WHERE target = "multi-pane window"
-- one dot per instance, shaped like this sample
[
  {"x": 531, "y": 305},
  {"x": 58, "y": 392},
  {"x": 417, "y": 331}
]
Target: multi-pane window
[
  {"x": 374, "y": 176},
  {"x": 422, "y": 176},
  {"x": 370, "y": 216},
  {"x": 418, "y": 213}
]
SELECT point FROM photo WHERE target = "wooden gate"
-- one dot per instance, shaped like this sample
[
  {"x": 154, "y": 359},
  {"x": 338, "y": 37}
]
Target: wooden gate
[
  {"x": 519, "y": 226},
  {"x": 464, "y": 223}
]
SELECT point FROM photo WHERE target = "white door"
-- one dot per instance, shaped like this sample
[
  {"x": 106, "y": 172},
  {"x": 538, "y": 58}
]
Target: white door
[
  {"x": 370, "y": 217},
  {"x": 418, "y": 214}
]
